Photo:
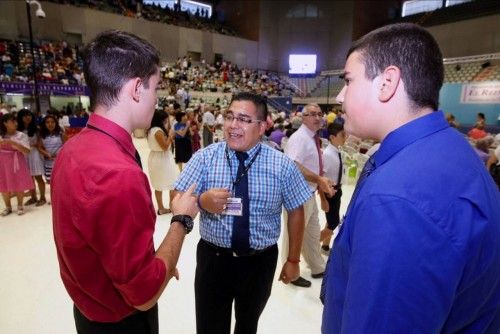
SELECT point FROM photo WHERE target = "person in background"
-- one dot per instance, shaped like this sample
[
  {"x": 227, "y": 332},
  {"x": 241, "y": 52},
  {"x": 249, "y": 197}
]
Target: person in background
[
  {"x": 50, "y": 142},
  {"x": 208, "y": 125},
  {"x": 183, "y": 148},
  {"x": 482, "y": 148},
  {"x": 480, "y": 120},
  {"x": 15, "y": 176},
  {"x": 418, "y": 248},
  {"x": 451, "y": 120},
  {"x": 194, "y": 129},
  {"x": 334, "y": 171},
  {"x": 304, "y": 147},
  {"x": 26, "y": 123},
  {"x": 161, "y": 164}
]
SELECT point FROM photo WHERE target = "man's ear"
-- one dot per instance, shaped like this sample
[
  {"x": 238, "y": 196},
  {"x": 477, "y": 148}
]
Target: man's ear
[
  {"x": 389, "y": 83},
  {"x": 135, "y": 88}
]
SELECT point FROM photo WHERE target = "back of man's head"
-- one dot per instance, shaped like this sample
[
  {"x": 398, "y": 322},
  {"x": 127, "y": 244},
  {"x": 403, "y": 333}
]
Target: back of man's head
[
  {"x": 111, "y": 59},
  {"x": 414, "y": 51}
]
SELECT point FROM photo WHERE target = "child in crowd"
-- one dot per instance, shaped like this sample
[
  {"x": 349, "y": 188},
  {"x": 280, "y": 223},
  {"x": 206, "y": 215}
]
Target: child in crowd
[
  {"x": 14, "y": 172},
  {"x": 26, "y": 123},
  {"x": 50, "y": 142},
  {"x": 333, "y": 169}
]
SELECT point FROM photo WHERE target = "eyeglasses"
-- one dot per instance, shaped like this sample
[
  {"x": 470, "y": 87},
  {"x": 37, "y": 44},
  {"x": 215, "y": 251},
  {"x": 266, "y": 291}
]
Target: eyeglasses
[
  {"x": 240, "y": 119},
  {"x": 313, "y": 114}
]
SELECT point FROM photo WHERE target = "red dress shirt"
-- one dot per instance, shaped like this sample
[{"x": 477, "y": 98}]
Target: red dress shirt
[{"x": 104, "y": 222}]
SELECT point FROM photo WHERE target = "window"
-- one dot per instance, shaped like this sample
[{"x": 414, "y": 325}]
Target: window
[
  {"x": 420, "y": 6},
  {"x": 455, "y": 2}
]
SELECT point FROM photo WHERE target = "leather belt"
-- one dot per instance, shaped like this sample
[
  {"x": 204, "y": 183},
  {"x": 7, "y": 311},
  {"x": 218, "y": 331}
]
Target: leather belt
[{"x": 231, "y": 252}]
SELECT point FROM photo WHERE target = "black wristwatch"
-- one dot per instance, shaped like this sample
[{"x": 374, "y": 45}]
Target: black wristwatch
[{"x": 185, "y": 220}]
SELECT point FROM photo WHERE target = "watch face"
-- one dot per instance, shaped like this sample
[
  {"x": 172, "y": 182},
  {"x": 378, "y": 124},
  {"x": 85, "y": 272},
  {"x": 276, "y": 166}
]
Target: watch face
[{"x": 185, "y": 220}]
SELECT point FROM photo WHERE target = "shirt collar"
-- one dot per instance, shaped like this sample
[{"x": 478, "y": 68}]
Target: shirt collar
[
  {"x": 251, "y": 152},
  {"x": 305, "y": 129},
  {"x": 410, "y": 132},
  {"x": 113, "y": 130},
  {"x": 332, "y": 147}
]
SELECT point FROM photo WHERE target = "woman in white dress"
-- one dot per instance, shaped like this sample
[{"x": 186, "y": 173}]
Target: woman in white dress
[{"x": 161, "y": 164}]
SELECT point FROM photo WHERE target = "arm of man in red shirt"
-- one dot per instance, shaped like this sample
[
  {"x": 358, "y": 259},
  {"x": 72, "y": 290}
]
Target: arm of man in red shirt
[{"x": 170, "y": 248}]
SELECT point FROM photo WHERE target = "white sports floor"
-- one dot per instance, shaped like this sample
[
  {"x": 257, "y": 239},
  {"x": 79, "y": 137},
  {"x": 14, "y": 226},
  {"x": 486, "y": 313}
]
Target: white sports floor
[{"x": 33, "y": 298}]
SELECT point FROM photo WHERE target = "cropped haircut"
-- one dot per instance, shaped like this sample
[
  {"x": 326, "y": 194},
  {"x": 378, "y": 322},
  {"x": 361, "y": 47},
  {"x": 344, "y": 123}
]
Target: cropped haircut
[
  {"x": 113, "y": 58},
  {"x": 308, "y": 106},
  {"x": 414, "y": 51},
  {"x": 335, "y": 128},
  {"x": 258, "y": 101}
]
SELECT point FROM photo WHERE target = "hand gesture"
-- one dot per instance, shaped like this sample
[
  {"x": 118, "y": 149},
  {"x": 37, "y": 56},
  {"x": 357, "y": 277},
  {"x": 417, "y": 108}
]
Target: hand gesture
[
  {"x": 185, "y": 204},
  {"x": 290, "y": 272},
  {"x": 326, "y": 186},
  {"x": 325, "y": 234},
  {"x": 215, "y": 200}
]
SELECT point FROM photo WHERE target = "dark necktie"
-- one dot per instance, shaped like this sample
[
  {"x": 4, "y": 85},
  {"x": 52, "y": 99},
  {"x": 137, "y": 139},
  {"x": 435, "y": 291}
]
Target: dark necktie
[
  {"x": 138, "y": 158},
  {"x": 367, "y": 170},
  {"x": 240, "y": 240},
  {"x": 320, "y": 156},
  {"x": 339, "y": 177}
]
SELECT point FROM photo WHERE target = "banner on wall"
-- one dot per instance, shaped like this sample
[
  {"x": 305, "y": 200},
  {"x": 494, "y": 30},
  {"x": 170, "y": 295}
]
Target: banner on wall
[
  {"x": 43, "y": 89},
  {"x": 481, "y": 92}
]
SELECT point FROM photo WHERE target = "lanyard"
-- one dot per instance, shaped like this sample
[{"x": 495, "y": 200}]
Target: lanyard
[{"x": 245, "y": 171}]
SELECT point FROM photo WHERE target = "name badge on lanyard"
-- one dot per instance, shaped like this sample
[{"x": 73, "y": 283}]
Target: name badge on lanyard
[{"x": 234, "y": 207}]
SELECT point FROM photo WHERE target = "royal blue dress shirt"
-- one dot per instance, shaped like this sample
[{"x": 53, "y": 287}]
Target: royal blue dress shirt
[{"x": 419, "y": 250}]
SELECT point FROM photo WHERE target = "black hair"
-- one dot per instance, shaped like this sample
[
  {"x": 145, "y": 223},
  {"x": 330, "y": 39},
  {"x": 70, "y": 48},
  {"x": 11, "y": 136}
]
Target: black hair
[
  {"x": 335, "y": 128},
  {"x": 414, "y": 51},
  {"x": 113, "y": 58},
  {"x": 5, "y": 119},
  {"x": 32, "y": 128},
  {"x": 158, "y": 119},
  {"x": 481, "y": 115},
  {"x": 44, "y": 132},
  {"x": 259, "y": 102},
  {"x": 179, "y": 115}
]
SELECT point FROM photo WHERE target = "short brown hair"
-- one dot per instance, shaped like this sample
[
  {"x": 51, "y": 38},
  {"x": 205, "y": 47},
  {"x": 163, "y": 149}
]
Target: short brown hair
[{"x": 414, "y": 51}]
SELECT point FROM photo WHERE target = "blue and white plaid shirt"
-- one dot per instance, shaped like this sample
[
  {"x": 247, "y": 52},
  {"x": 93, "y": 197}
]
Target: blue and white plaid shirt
[{"x": 273, "y": 180}]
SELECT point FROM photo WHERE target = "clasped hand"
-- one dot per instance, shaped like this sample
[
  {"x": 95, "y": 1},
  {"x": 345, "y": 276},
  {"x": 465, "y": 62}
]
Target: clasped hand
[{"x": 214, "y": 200}]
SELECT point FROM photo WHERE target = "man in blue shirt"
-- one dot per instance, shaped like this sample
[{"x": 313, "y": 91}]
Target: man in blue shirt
[
  {"x": 418, "y": 250},
  {"x": 240, "y": 205}
]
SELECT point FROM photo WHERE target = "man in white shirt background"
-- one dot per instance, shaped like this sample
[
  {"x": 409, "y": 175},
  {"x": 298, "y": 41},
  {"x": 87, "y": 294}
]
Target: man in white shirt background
[{"x": 304, "y": 147}]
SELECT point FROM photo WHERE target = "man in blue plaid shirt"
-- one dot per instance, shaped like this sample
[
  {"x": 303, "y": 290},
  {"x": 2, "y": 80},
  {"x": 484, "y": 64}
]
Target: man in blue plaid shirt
[{"x": 240, "y": 221}]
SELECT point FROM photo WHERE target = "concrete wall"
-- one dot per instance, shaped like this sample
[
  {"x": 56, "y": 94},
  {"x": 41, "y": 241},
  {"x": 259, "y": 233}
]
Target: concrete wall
[
  {"x": 328, "y": 36},
  {"x": 468, "y": 37}
]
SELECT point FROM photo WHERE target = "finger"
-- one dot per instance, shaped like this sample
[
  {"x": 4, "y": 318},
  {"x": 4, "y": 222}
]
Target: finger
[{"x": 190, "y": 190}]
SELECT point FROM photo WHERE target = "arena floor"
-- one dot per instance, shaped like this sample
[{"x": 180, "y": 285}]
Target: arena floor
[{"x": 33, "y": 298}]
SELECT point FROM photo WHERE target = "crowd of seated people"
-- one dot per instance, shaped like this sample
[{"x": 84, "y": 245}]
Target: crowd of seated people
[
  {"x": 56, "y": 62},
  {"x": 222, "y": 77},
  {"x": 168, "y": 15}
]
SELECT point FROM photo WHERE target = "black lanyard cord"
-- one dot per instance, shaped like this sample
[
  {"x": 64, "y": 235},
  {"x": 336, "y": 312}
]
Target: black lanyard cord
[{"x": 239, "y": 177}]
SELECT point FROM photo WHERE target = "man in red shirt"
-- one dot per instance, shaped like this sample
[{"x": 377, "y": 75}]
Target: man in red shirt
[{"x": 103, "y": 216}]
